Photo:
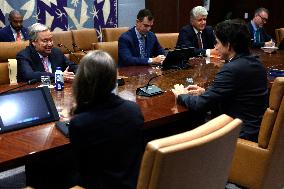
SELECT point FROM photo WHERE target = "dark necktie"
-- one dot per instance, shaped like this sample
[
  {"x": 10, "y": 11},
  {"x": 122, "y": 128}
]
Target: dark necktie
[{"x": 200, "y": 46}]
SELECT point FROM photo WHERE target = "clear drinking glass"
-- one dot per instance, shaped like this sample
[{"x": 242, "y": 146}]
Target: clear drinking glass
[{"x": 45, "y": 80}]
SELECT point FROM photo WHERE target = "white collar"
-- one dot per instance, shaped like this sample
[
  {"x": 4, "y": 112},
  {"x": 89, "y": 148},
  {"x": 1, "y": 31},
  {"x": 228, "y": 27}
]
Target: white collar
[{"x": 196, "y": 31}]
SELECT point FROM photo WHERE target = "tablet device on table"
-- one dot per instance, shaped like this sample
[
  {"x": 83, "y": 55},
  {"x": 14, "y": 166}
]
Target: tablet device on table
[{"x": 25, "y": 108}]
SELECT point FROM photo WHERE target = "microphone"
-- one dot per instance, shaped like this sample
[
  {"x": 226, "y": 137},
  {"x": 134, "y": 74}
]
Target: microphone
[
  {"x": 29, "y": 82},
  {"x": 70, "y": 52},
  {"x": 150, "y": 89},
  {"x": 74, "y": 45},
  {"x": 32, "y": 81}
]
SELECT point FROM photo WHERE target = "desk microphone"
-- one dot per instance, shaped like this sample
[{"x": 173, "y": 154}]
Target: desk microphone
[
  {"x": 29, "y": 82},
  {"x": 70, "y": 52},
  {"x": 150, "y": 89},
  {"x": 74, "y": 45}
]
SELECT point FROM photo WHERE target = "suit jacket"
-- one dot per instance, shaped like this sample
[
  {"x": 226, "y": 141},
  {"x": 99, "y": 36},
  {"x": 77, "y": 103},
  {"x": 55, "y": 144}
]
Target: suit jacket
[
  {"x": 129, "y": 51},
  {"x": 239, "y": 90},
  {"x": 107, "y": 141},
  {"x": 264, "y": 37},
  {"x": 30, "y": 65},
  {"x": 6, "y": 34},
  {"x": 188, "y": 38}
]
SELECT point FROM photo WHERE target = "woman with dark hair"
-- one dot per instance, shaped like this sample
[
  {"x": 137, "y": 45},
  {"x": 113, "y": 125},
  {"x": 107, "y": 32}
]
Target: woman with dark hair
[
  {"x": 105, "y": 131},
  {"x": 239, "y": 88}
]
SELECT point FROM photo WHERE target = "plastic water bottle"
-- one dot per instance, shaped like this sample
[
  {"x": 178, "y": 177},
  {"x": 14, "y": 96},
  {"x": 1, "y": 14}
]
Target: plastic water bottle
[{"x": 59, "y": 80}]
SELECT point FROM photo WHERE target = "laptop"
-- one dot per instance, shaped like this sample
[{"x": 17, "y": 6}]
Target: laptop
[{"x": 178, "y": 58}]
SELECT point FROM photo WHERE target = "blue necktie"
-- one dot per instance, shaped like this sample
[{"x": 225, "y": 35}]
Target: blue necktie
[
  {"x": 257, "y": 35},
  {"x": 143, "y": 53}
]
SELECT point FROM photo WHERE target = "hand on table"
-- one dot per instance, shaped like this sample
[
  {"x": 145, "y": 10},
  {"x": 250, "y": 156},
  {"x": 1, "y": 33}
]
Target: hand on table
[
  {"x": 158, "y": 59},
  {"x": 179, "y": 89},
  {"x": 68, "y": 76},
  {"x": 269, "y": 43},
  {"x": 191, "y": 89},
  {"x": 195, "y": 90}
]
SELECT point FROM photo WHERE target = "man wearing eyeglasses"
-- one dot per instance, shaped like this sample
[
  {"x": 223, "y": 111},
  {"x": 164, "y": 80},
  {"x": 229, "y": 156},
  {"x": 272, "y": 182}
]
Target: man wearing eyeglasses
[
  {"x": 258, "y": 35},
  {"x": 139, "y": 46},
  {"x": 40, "y": 58}
]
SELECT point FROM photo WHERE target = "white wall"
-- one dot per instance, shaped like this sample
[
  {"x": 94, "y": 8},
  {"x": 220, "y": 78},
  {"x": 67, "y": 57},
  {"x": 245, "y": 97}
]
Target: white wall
[{"x": 127, "y": 11}]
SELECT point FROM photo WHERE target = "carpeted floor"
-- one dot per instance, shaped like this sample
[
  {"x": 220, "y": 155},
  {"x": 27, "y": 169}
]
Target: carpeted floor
[{"x": 13, "y": 178}]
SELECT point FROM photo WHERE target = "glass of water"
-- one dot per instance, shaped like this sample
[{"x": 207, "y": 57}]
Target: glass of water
[{"x": 45, "y": 80}]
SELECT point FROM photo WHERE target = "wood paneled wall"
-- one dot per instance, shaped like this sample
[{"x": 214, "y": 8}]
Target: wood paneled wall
[{"x": 171, "y": 15}]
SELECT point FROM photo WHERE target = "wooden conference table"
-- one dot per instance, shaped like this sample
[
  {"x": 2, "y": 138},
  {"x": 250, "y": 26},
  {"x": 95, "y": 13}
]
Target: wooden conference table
[{"x": 17, "y": 146}]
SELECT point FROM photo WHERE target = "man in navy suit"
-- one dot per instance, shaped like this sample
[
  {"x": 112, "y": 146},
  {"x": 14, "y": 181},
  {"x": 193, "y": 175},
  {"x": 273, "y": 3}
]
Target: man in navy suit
[
  {"x": 139, "y": 46},
  {"x": 15, "y": 31},
  {"x": 197, "y": 34},
  {"x": 41, "y": 58},
  {"x": 257, "y": 33},
  {"x": 239, "y": 88}
]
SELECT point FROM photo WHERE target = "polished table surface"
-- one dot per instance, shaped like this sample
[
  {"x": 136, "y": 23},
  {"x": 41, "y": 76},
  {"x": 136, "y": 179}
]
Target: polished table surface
[{"x": 18, "y": 145}]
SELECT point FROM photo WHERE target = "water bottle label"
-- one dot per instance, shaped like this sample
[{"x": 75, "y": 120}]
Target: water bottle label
[{"x": 59, "y": 81}]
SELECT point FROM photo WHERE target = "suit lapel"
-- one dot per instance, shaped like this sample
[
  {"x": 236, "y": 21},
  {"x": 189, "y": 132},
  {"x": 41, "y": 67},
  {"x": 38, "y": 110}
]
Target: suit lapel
[
  {"x": 147, "y": 44},
  {"x": 195, "y": 43},
  {"x": 261, "y": 36},
  {"x": 24, "y": 32},
  {"x": 37, "y": 62},
  {"x": 204, "y": 38},
  {"x": 135, "y": 44},
  {"x": 10, "y": 33},
  {"x": 52, "y": 60}
]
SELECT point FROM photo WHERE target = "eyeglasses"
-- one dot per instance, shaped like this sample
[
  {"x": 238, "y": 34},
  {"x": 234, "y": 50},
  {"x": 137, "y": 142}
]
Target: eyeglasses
[
  {"x": 263, "y": 19},
  {"x": 46, "y": 41}
]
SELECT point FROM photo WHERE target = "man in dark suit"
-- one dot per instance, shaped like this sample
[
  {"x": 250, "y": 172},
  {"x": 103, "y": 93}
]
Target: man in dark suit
[
  {"x": 15, "y": 31},
  {"x": 197, "y": 34},
  {"x": 139, "y": 46},
  {"x": 41, "y": 58},
  {"x": 239, "y": 88},
  {"x": 258, "y": 35}
]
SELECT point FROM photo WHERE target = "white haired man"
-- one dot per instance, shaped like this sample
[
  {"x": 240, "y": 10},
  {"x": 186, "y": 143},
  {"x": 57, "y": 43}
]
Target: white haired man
[
  {"x": 197, "y": 34},
  {"x": 41, "y": 58}
]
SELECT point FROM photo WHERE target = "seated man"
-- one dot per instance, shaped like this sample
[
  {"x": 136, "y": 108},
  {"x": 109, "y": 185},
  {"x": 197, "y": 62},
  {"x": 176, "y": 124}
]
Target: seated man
[
  {"x": 257, "y": 33},
  {"x": 139, "y": 46},
  {"x": 197, "y": 34},
  {"x": 41, "y": 58},
  {"x": 239, "y": 88},
  {"x": 15, "y": 31}
]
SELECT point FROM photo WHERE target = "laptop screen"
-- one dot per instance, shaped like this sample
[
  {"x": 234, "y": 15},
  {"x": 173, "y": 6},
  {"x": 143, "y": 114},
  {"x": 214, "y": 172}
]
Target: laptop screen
[{"x": 25, "y": 108}]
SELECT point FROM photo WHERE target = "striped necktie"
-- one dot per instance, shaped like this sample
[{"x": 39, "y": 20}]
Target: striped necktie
[{"x": 200, "y": 46}]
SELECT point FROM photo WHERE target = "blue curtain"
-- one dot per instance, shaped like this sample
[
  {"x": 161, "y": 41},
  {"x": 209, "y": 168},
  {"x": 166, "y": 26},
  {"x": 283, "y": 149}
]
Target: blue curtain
[{"x": 63, "y": 14}]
